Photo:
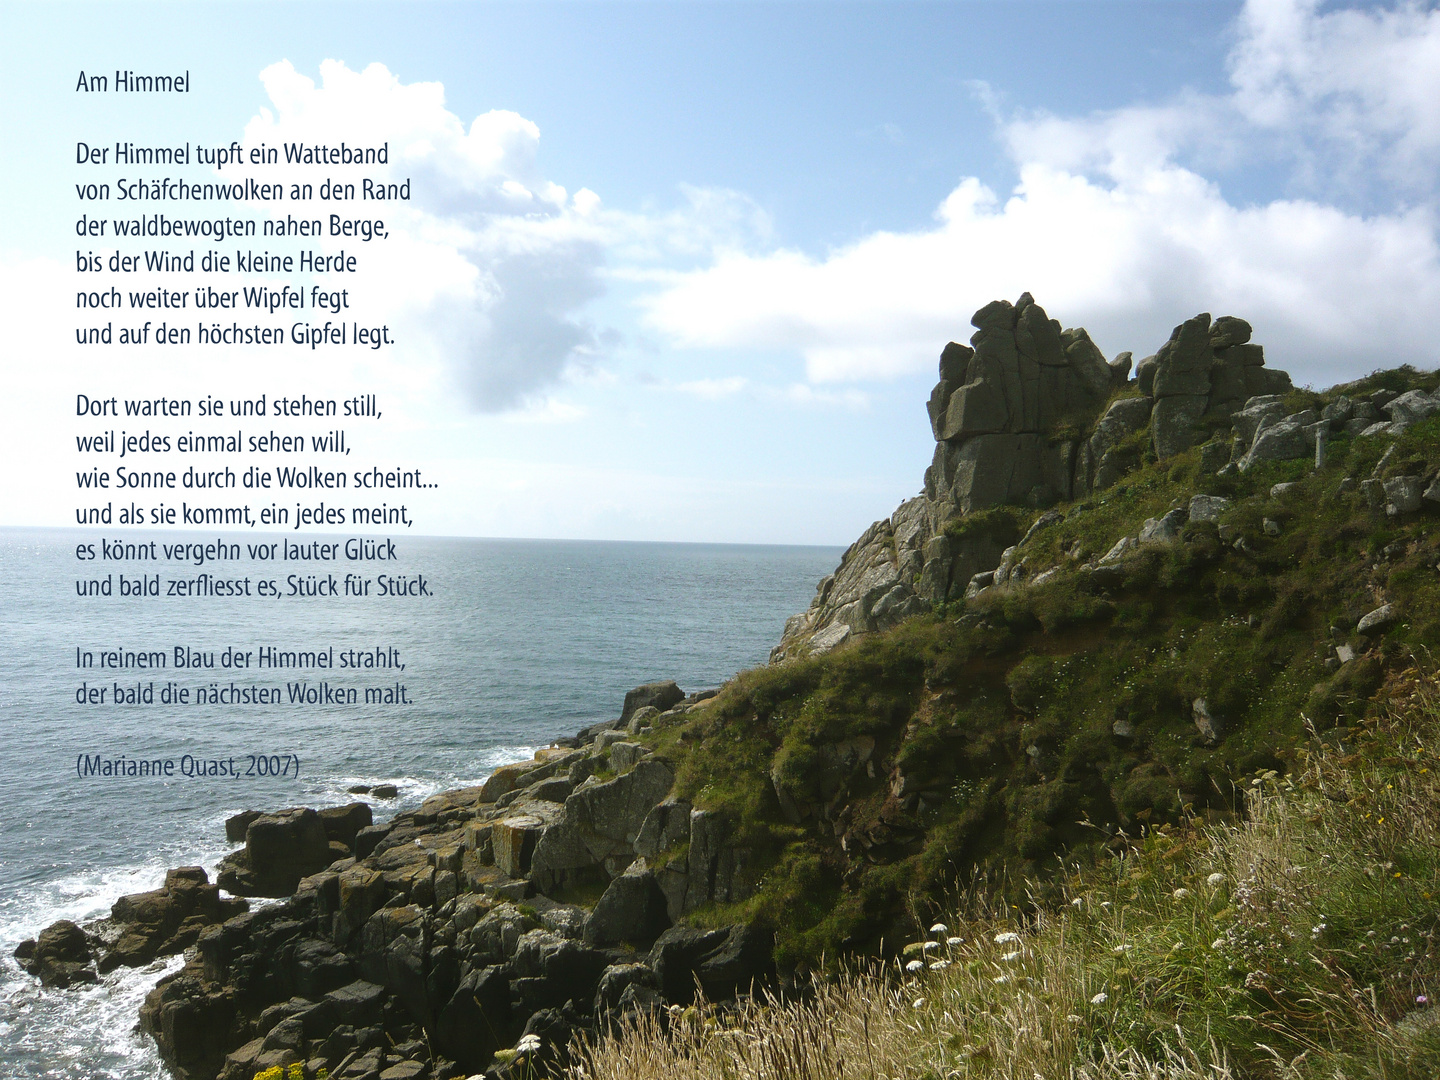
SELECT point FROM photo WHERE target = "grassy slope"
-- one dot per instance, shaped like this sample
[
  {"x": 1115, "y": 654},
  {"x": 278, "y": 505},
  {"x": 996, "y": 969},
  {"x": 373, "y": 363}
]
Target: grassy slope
[
  {"x": 1001, "y": 712},
  {"x": 1297, "y": 943}
]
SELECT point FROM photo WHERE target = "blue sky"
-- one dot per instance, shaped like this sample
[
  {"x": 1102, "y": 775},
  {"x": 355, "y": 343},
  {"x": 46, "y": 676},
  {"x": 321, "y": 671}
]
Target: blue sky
[{"x": 773, "y": 217}]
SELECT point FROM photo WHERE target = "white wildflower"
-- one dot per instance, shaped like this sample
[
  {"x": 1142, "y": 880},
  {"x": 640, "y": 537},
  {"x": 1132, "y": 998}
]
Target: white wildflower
[
  {"x": 1218, "y": 943},
  {"x": 1074, "y": 1019},
  {"x": 1181, "y": 893},
  {"x": 1100, "y": 998},
  {"x": 918, "y": 1003},
  {"x": 953, "y": 941},
  {"x": 1076, "y": 902},
  {"x": 930, "y": 946},
  {"x": 528, "y": 1044},
  {"x": 1011, "y": 957},
  {"x": 1215, "y": 880},
  {"x": 915, "y": 966},
  {"x": 940, "y": 928},
  {"x": 939, "y": 965},
  {"x": 1006, "y": 938},
  {"x": 1121, "y": 950}
]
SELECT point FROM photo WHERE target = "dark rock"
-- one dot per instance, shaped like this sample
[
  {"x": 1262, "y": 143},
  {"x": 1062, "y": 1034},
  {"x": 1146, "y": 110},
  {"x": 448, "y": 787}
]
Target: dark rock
[
  {"x": 724, "y": 961},
  {"x": 60, "y": 957},
  {"x": 598, "y": 827},
  {"x": 368, "y": 839},
  {"x": 236, "y": 825},
  {"x": 660, "y": 695},
  {"x": 358, "y": 1004},
  {"x": 632, "y": 910},
  {"x": 280, "y": 849},
  {"x": 616, "y": 979},
  {"x": 342, "y": 823},
  {"x": 385, "y": 791},
  {"x": 1379, "y": 619}
]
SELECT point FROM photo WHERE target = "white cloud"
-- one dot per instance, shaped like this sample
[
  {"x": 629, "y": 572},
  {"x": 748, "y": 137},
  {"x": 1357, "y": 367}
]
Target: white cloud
[
  {"x": 1115, "y": 224},
  {"x": 1357, "y": 85},
  {"x": 489, "y": 266}
]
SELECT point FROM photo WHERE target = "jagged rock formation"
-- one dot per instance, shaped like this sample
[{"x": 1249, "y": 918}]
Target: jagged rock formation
[
  {"x": 1020, "y": 418},
  {"x": 422, "y": 946}
]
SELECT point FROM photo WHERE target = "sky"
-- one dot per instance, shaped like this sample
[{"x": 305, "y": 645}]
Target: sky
[{"x": 682, "y": 271}]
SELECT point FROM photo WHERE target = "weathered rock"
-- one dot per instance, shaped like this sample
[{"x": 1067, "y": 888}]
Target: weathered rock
[
  {"x": 236, "y": 824},
  {"x": 60, "y": 957},
  {"x": 623, "y": 755},
  {"x": 724, "y": 961},
  {"x": 476, "y": 1021},
  {"x": 1403, "y": 494},
  {"x": 1259, "y": 412},
  {"x": 342, "y": 823},
  {"x": 1164, "y": 529},
  {"x": 1205, "y": 722},
  {"x": 643, "y": 716},
  {"x": 1014, "y": 423},
  {"x": 280, "y": 849},
  {"x": 393, "y": 952},
  {"x": 658, "y": 695},
  {"x": 513, "y": 840},
  {"x": 1281, "y": 441},
  {"x": 1411, "y": 407},
  {"x": 1379, "y": 619},
  {"x": 1174, "y": 423},
  {"x": 1208, "y": 507},
  {"x": 632, "y": 910},
  {"x": 1105, "y": 463},
  {"x": 619, "y": 981},
  {"x": 598, "y": 827}
]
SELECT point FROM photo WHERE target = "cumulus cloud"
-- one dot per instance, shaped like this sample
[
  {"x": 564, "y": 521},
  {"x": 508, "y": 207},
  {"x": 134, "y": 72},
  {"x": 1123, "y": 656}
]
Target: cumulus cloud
[
  {"x": 1116, "y": 222},
  {"x": 489, "y": 266}
]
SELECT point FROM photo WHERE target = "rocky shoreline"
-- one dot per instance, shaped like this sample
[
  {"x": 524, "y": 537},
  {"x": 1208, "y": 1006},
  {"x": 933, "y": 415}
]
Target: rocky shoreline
[
  {"x": 486, "y": 930},
  {"x": 479, "y": 933}
]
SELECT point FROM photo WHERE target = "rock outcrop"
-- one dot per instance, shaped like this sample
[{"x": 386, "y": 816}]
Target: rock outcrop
[
  {"x": 1026, "y": 416},
  {"x": 431, "y": 945}
]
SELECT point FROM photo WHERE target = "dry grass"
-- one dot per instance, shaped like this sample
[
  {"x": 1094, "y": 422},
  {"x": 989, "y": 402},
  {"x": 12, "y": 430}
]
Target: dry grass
[{"x": 1297, "y": 945}]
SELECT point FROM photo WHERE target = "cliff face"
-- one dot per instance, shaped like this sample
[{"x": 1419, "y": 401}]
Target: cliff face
[{"x": 1028, "y": 415}]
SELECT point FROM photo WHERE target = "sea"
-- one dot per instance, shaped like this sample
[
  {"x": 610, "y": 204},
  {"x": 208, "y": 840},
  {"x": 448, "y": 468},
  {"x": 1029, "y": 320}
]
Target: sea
[{"x": 517, "y": 642}]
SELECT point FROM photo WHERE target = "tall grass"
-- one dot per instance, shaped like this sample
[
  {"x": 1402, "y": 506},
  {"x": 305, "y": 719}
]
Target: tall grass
[{"x": 1298, "y": 944}]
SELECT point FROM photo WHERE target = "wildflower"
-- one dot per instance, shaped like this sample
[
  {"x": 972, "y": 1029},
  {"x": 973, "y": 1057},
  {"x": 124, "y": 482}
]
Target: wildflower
[
  {"x": 1006, "y": 938},
  {"x": 940, "y": 928},
  {"x": 1105, "y": 904},
  {"x": 930, "y": 946},
  {"x": 1072, "y": 1018},
  {"x": 528, "y": 1044},
  {"x": 918, "y": 1003},
  {"x": 915, "y": 966},
  {"x": 1215, "y": 880},
  {"x": 1121, "y": 950},
  {"x": 1076, "y": 902},
  {"x": 953, "y": 941},
  {"x": 1011, "y": 957},
  {"x": 939, "y": 965},
  {"x": 1180, "y": 894},
  {"x": 1421, "y": 999},
  {"x": 1100, "y": 998},
  {"x": 1218, "y": 943}
]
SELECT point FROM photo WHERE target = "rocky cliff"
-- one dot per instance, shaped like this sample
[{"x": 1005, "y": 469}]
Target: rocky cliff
[{"x": 1028, "y": 415}]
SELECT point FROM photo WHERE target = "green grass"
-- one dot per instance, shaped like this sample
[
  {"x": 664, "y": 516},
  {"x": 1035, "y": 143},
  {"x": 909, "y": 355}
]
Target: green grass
[
  {"x": 1297, "y": 942},
  {"x": 994, "y": 722}
]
